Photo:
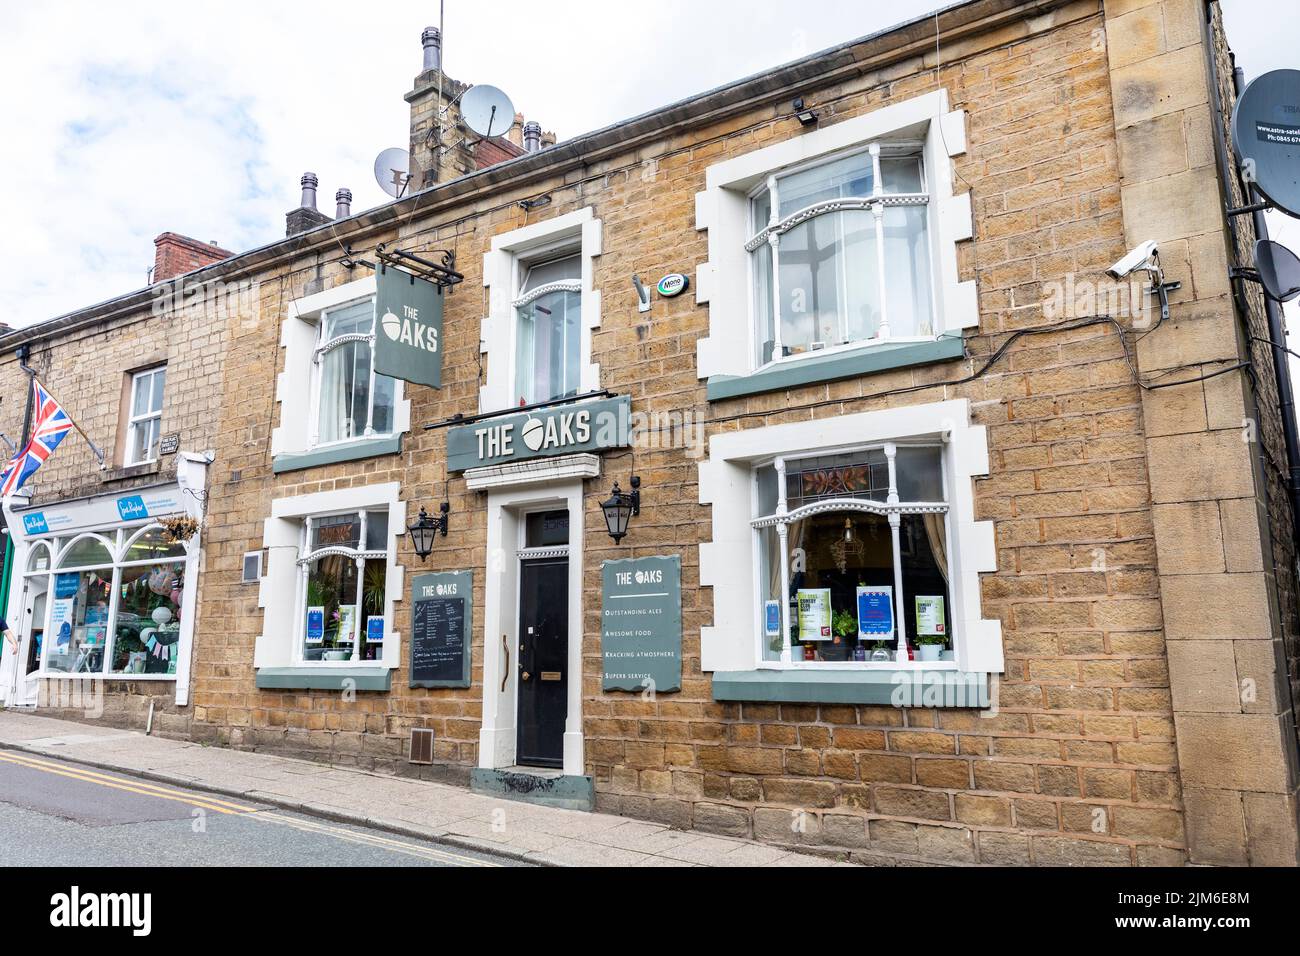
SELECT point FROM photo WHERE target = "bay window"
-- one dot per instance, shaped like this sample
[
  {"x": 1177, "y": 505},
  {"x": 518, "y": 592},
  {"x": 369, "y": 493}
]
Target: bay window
[
  {"x": 839, "y": 253},
  {"x": 353, "y": 401},
  {"x": 852, "y": 552},
  {"x": 549, "y": 330},
  {"x": 343, "y": 584}
]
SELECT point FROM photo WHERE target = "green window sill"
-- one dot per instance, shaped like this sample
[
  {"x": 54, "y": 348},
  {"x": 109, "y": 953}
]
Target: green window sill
[
  {"x": 349, "y": 451},
  {"x": 325, "y": 678},
  {"x": 839, "y": 365},
  {"x": 895, "y": 687}
]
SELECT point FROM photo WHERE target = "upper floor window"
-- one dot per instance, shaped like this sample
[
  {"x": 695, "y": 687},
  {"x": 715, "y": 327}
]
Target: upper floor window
[
  {"x": 840, "y": 253},
  {"x": 549, "y": 331},
  {"x": 352, "y": 400},
  {"x": 145, "y": 419}
]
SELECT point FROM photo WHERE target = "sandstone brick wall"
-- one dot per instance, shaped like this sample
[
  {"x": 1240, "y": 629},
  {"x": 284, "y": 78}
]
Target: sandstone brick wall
[
  {"x": 88, "y": 372},
  {"x": 1077, "y": 765}
]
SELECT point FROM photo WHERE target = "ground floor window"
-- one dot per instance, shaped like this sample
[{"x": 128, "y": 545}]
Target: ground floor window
[
  {"x": 852, "y": 556},
  {"x": 344, "y": 583},
  {"x": 107, "y": 602}
]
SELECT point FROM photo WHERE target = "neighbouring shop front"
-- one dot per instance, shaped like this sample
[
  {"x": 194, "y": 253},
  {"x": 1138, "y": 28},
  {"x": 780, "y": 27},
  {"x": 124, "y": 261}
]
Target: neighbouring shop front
[{"x": 104, "y": 588}]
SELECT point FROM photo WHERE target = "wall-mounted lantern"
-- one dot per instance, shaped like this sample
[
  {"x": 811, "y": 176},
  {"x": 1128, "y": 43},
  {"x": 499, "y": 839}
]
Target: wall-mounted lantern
[
  {"x": 620, "y": 508},
  {"x": 424, "y": 530}
]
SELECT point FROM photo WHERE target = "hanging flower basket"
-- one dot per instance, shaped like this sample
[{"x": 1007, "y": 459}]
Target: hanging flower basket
[{"x": 179, "y": 528}]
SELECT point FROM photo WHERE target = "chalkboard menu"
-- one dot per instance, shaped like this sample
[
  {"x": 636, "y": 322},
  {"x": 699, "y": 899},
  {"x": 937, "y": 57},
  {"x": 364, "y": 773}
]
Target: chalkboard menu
[{"x": 441, "y": 629}]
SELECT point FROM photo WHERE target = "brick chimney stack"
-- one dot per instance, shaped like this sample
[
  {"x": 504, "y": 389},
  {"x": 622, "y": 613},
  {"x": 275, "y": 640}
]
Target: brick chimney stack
[{"x": 176, "y": 255}]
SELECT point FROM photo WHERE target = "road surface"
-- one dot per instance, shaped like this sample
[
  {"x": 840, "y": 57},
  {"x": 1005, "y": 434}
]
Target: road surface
[{"x": 56, "y": 813}]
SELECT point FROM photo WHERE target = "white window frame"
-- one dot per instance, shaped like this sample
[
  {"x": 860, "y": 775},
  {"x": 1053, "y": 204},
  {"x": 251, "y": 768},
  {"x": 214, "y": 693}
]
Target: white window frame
[
  {"x": 361, "y": 555},
  {"x": 892, "y": 508},
  {"x": 323, "y": 348},
  {"x": 297, "y": 386},
  {"x": 552, "y": 253},
  {"x": 117, "y": 541},
  {"x": 723, "y": 210},
  {"x": 136, "y": 421},
  {"x": 503, "y": 271},
  {"x": 281, "y": 598},
  {"x": 729, "y": 562}
]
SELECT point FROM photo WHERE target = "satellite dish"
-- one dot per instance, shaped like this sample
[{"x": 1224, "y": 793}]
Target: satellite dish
[
  {"x": 1266, "y": 137},
  {"x": 393, "y": 171},
  {"x": 1279, "y": 270},
  {"x": 487, "y": 111}
]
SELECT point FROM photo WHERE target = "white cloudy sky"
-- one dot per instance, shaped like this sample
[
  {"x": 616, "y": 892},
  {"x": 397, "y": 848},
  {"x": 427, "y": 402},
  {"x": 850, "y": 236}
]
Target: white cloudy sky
[{"x": 125, "y": 119}]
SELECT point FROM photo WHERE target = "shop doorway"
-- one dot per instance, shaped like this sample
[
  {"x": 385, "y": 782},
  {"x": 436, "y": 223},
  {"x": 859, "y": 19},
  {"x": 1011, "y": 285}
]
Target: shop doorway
[{"x": 31, "y": 641}]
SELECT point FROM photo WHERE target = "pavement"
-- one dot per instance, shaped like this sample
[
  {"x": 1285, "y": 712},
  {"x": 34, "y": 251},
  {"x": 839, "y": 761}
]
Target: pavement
[{"x": 433, "y": 813}]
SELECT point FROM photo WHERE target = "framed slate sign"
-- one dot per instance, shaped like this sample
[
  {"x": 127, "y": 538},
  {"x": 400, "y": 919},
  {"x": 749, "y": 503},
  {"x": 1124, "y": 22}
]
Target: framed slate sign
[
  {"x": 442, "y": 628},
  {"x": 641, "y": 624}
]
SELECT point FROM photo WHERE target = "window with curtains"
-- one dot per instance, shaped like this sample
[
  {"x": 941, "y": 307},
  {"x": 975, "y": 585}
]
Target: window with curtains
[
  {"x": 840, "y": 253},
  {"x": 353, "y": 402},
  {"x": 343, "y": 574},
  {"x": 549, "y": 338},
  {"x": 853, "y": 557}
]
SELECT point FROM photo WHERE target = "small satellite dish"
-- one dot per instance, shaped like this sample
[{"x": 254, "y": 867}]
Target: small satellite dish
[
  {"x": 487, "y": 111},
  {"x": 1266, "y": 137},
  {"x": 393, "y": 171},
  {"x": 1279, "y": 270}
]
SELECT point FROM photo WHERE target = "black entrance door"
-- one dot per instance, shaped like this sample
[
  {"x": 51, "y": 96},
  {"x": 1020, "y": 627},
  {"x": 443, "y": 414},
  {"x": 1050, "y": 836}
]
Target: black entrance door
[{"x": 543, "y": 661}]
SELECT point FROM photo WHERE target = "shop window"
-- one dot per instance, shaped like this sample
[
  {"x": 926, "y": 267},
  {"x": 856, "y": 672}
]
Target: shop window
[
  {"x": 344, "y": 575},
  {"x": 549, "y": 334},
  {"x": 114, "y": 606},
  {"x": 145, "y": 420},
  {"x": 852, "y": 553},
  {"x": 352, "y": 400},
  {"x": 839, "y": 254}
]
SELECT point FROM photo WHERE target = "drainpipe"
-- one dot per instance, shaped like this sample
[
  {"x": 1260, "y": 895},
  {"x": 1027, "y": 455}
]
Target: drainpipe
[{"x": 24, "y": 353}]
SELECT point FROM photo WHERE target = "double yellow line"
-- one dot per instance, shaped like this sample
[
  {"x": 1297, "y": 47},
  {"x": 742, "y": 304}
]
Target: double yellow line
[
  {"x": 218, "y": 805},
  {"x": 86, "y": 775}
]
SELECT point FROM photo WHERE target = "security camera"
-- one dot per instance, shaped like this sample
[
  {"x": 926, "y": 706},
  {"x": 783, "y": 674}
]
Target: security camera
[{"x": 1134, "y": 259}]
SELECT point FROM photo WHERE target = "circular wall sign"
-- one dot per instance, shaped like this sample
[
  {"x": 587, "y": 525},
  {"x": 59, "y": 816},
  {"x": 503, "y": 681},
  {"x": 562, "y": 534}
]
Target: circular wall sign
[
  {"x": 673, "y": 285},
  {"x": 1266, "y": 137}
]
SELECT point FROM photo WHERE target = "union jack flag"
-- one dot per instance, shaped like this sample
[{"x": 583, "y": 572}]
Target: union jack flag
[{"x": 50, "y": 425}]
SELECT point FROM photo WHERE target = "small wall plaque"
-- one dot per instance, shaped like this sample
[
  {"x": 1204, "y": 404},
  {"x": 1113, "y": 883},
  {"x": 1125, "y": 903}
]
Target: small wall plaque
[{"x": 169, "y": 444}]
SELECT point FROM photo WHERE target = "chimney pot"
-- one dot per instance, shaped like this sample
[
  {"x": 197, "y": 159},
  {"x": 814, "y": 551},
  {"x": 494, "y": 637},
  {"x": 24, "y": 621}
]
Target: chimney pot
[
  {"x": 309, "y": 184},
  {"x": 431, "y": 38},
  {"x": 532, "y": 136},
  {"x": 344, "y": 200}
]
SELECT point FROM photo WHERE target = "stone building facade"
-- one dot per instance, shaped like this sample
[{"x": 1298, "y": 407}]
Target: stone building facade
[{"x": 1099, "y": 483}]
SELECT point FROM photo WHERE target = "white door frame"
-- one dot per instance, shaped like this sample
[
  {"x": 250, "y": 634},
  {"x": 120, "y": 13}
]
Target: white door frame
[
  {"x": 505, "y": 510},
  {"x": 22, "y": 690}
]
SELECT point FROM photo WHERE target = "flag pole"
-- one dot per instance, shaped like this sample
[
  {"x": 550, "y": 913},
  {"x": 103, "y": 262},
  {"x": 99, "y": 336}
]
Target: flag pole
[{"x": 93, "y": 447}]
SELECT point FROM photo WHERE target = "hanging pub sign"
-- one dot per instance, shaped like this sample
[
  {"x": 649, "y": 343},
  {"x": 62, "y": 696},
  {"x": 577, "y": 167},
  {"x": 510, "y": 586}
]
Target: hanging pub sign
[
  {"x": 408, "y": 327},
  {"x": 544, "y": 433},
  {"x": 641, "y": 624}
]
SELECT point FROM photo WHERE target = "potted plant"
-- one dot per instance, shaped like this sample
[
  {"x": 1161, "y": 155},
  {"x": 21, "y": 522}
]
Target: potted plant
[{"x": 931, "y": 646}]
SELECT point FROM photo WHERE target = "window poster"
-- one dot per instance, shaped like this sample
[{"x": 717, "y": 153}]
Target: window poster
[
  {"x": 374, "y": 630},
  {"x": 315, "y": 625},
  {"x": 347, "y": 623},
  {"x": 61, "y": 621},
  {"x": 929, "y": 615},
  {"x": 875, "y": 612},
  {"x": 814, "y": 614},
  {"x": 772, "y": 618}
]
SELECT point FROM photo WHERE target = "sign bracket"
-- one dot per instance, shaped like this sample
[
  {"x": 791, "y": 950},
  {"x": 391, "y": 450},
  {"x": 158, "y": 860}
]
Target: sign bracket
[{"x": 443, "y": 274}]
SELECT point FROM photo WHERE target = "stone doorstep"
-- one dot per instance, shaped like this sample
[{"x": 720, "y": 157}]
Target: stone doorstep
[{"x": 809, "y": 856}]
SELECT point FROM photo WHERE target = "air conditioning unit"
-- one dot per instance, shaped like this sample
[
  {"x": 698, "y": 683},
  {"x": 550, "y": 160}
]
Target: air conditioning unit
[{"x": 421, "y": 746}]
